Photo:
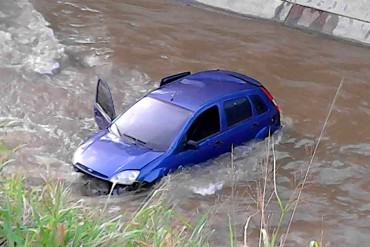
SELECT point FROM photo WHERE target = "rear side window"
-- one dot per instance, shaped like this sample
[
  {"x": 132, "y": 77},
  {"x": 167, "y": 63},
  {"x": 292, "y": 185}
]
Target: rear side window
[
  {"x": 206, "y": 124},
  {"x": 259, "y": 104},
  {"x": 237, "y": 110}
]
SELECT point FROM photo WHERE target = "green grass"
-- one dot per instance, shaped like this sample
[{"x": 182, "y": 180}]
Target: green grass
[
  {"x": 4, "y": 150},
  {"x": 45, "y": 217},
  {"x": 4, "y": 155}
]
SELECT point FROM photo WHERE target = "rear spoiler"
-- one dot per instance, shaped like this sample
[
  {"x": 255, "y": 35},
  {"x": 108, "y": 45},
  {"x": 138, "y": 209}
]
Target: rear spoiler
[
  {"x": 173, "y": 78},
  {"x": 256, "y": 83},
  {"x": 246, "y": 79}
]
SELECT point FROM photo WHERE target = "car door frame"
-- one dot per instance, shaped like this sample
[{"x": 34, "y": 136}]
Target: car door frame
[
  {"x": 179, "y": 148},
  {"x": 102, "y": 118},
  {"x": 264, "y": 130}
]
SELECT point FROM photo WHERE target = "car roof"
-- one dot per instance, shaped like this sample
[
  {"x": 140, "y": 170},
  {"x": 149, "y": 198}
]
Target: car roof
[{"x": 198, "y": 89}]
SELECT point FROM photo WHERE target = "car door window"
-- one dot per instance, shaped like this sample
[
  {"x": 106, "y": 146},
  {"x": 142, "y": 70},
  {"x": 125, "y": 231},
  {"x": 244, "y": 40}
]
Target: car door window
[
  {"x": 237, "y": 110},
  {"x": 258, "y": 103},
  {"x": 104, "y": 99},
  {"x": 206, "y": 124}
]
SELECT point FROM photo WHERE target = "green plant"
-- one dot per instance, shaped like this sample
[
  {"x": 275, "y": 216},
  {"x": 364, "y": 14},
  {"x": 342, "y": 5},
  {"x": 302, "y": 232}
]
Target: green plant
[{"x": 44, "y": 217}]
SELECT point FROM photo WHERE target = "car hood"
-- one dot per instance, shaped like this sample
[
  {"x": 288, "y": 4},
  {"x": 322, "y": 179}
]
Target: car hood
[{"x": 108, "y": 154}]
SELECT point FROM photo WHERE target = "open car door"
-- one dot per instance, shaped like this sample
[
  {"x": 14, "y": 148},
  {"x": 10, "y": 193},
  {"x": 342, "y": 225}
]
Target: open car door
[{"x": 103, "y": 106}]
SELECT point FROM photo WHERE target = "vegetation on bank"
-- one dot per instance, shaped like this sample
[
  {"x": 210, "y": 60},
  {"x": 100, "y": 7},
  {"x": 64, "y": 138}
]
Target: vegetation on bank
[{"x": 45, "y": 217}]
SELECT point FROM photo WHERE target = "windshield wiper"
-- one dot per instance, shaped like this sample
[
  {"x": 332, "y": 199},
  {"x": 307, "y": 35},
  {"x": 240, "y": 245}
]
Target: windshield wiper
[{"x": 135, "y": 139}]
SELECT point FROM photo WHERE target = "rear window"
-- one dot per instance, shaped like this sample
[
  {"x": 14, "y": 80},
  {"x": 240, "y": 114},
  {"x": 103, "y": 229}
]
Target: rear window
[
  {"x": 237, "y": 110},
  {"x": 259, "y": 104}
]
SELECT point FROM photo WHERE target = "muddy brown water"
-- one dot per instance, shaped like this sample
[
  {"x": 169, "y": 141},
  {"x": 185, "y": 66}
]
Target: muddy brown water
[{"x": 132, "y": 44}]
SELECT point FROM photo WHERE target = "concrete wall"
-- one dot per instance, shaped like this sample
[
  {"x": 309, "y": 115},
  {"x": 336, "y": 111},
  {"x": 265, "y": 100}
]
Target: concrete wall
[
  {"x": 358, "y": 9},
  {"x": 348, "y": 20},
  {"x": 266, "y": 9}
]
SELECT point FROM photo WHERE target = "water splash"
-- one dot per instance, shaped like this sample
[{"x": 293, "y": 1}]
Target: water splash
[
  {"x": 26, "y": 41},
  {"x": 207, "y": 190}
]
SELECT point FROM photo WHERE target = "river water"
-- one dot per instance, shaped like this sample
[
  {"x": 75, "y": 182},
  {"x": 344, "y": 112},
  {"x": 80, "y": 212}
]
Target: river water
[{"x": 51, "y": 53}]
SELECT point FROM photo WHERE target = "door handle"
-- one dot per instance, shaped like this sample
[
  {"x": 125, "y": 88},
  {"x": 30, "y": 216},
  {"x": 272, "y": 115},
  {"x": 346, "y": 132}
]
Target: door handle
[
  {"x": 219, "y": 142},
  {"x": 254, "y": 125}
]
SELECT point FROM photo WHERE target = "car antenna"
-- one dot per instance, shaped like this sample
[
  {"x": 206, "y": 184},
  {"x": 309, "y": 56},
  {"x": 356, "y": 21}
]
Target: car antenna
[{"x": 173, "y": 96}]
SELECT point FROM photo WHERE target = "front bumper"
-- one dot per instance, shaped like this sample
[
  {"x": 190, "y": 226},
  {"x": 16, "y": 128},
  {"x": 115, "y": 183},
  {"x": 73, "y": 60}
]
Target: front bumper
[{"x": 88, "y": 171}]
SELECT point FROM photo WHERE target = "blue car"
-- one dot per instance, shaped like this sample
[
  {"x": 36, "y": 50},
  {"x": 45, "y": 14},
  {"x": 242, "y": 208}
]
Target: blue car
[{"x": 189, "y": 119}]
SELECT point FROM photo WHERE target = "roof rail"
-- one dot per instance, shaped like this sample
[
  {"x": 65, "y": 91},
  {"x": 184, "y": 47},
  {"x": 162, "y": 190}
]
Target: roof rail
[{"x": 172, "y": 78}]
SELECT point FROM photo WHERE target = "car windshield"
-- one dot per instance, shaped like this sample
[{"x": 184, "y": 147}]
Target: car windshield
[{"x": 151, "y": 122}]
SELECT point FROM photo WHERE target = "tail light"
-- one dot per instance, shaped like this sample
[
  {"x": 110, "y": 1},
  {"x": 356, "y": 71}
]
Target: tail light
[{"x": 271, "y": 98}]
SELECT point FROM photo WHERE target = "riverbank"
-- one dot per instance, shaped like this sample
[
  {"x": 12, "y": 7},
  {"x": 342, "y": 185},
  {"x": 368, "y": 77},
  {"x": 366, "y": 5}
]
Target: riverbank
[
  {"x": 46, "y": 216},
  {"x": 339, "y": 19}
]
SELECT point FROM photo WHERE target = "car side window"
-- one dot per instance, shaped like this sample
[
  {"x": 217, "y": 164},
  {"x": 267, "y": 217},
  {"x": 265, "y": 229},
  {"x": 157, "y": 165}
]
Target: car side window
[
  {"x": 104, "y": 98},
  {"x": 237, "y": 110},
  {"x": 259, "y": 104},
  {"x": 206, "y": 124}
]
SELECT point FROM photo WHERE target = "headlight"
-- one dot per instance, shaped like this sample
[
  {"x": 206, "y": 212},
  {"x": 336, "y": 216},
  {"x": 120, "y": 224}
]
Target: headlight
[{"x": 125, "y": 177}]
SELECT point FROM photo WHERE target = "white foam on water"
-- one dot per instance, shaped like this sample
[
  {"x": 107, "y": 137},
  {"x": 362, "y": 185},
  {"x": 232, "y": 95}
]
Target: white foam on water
[
  {"x": 83, "y": 8},
  {"x": 208, "y": 189},
  {"x": 26, "y": 41},
  {"x": 216, "y": 176},
  {"x": 362, "y": 149}
]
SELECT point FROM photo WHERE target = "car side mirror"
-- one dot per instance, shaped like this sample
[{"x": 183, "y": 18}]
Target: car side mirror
[{"x": 190, "y": 144}]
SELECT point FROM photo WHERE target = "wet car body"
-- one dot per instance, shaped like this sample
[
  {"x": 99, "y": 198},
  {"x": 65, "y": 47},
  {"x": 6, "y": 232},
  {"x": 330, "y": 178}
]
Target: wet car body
[{"x": 189, "y": 119}]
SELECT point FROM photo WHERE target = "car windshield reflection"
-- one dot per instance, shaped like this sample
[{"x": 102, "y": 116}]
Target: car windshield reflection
[{"x": 152, "y": 123}]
